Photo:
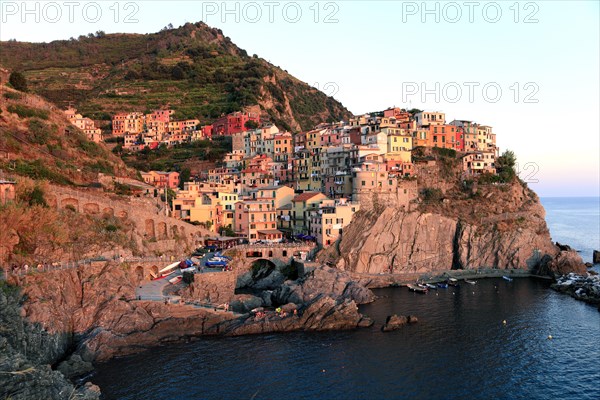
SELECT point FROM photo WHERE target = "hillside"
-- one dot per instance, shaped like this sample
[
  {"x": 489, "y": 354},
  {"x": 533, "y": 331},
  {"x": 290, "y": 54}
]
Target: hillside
[
  {"x": 63, "y": 209},
  {"x": 194, "y": 69},
  {"x": 37, "y": 141}
]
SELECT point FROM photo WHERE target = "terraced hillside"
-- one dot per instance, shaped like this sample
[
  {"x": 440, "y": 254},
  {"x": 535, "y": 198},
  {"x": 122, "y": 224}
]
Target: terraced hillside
[{"x": 194, "y": 69}]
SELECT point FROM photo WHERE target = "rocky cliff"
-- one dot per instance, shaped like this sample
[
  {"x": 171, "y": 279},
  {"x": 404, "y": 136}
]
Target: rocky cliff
[
  {"x": 27, "y": 352},
  {"x": 465, "y": 226},
  {"x": 92, "y": 311}
]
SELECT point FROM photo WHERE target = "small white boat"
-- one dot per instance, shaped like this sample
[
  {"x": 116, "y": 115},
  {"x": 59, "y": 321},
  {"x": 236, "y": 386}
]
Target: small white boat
[
  {"x": 506, "y": 278},
  {"x": 175, "y": 280},
  {"x": 470, "y": 282},
  {"x": 431, "y": 286},
  {"x": 416, "y": 288}
]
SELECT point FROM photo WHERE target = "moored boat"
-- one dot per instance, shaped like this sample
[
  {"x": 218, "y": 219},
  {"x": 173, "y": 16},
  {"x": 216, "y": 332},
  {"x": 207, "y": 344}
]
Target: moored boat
[
  {"x": 442, "y": 285},
  {"x": 452, "y": 282},
  {"x": 431, "y": 286},
  {"x": 416, "y": 288},
  {"x": 506, "y": 278},
  {"x": 470, "y": 282}
]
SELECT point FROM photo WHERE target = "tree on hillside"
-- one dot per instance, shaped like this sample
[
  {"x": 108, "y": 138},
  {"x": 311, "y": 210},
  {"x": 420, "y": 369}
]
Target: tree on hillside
[
  {"x": 184, "y": 176},
  {"x": 505, "y": 166},
  {"x": 18, "y": 81},
  {"x": 251, "y": 125}
]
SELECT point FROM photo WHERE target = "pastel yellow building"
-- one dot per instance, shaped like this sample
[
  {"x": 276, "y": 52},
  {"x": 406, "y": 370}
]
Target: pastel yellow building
[{"x": 329, "y": 220}]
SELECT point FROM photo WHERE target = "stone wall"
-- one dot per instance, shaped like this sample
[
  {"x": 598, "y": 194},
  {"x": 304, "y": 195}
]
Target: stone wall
[
  {"x": 212, "y": 287},
  {"x": 401, "y": 197},
  {"x": 155, "y": 232}
]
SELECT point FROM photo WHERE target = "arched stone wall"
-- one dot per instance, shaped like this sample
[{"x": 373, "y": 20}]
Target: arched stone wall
[
  {"x": 69, "y": 201},
  {"x": 149, "y": 231},
  {"x": 162, "y": 231},
  {"x": 139, "y": 272},
  {"x": 51, "y": 200},
  {"x": 91, "y": 208},
  {"x": 174, "y": 231}
]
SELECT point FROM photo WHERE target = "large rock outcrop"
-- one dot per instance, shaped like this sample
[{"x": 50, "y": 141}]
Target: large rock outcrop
[
  {"x": 93, "y": 310},
  {"x": 26, "y": 354},
  {"x": 323, "y": 281},
  {"x": 503, "y": 227}
]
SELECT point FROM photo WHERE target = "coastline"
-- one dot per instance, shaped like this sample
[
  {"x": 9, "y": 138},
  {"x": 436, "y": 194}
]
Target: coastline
[{"x": 377, "y": 281}]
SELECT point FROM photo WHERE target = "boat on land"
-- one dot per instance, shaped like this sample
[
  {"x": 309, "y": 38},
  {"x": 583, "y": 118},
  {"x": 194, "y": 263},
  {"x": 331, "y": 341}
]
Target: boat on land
[
  {"x": 175, "y": 280},
  {"x": 416, "y": 288},
  {"x": 166, "y": 271},
  {"x": 431, "y": 286},
  {"x": 442, "y": 285},
  {"x": 216, "y": 263},
  {"x": 452, "y": 282},
  {"x": 470, "y": 282},
  {"x": 507, "y": 278}
]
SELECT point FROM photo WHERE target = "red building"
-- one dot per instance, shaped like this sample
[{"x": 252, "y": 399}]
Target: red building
[
  {"x": 233, "y": 123},
  {"x": 459, "y": 139}
]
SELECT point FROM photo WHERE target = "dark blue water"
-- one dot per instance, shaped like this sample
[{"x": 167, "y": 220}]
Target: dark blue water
[{"x": 459, "y": 349}]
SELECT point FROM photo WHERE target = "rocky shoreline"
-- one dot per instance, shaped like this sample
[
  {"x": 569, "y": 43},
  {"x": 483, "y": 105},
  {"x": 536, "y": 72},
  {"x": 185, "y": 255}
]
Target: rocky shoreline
[
  {"x": 581, "y": 287},
  {"x": 55, "y": 325},
  {"x": 78, "y": 317}
]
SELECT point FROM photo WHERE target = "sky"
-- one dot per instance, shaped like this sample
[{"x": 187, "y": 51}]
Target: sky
[{"x": 529, "y": 69}]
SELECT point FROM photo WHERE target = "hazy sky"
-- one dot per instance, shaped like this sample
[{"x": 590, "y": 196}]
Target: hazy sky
[{"x": 529, "y": 69}]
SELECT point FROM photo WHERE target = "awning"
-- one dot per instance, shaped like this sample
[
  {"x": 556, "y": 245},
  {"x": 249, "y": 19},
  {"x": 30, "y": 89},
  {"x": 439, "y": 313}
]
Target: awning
[{"x": 270, "y": 232}]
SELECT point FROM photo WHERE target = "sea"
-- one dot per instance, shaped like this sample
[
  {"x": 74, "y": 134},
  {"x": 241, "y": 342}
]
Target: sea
[{"x": 492, "y": 340}]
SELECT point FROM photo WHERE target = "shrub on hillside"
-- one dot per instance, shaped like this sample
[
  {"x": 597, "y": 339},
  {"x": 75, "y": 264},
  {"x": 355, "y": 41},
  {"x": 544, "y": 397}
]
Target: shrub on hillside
[
  {"x": 18, "y": 81},
  {"x": 35, "y": 197},
  {"x": 450, "y": 153},
  {"x": 432, "y": 195},
  {"x": 27, "y": 112},
  {"x": 39, "y": 131},
  {"x": 12, "y": 95}
]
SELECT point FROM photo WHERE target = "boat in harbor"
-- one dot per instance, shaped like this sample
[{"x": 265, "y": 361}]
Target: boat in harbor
[
  {"x": 416, "y": 288},
  {"x": 431, "y": 286},
  {"x": 452, "y": 282},
  {"x": 442, "y": 285},
  {"x": 507, "y": 278},
  {"x": 470, "y": 282}
]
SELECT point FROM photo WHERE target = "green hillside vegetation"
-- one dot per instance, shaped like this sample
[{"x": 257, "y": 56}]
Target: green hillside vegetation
[
  {"x": 175, "y": 158},
  {"x": 194, "y": 69}
]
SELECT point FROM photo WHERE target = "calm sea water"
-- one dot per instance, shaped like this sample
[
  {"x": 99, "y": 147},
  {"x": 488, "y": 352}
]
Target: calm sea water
[
  {"x": 574, "y": 221},
  {"x": 459, "y": 349}
]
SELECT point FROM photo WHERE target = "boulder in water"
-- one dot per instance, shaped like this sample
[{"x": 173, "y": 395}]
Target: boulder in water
[
  {"x": 394, "y": 322},
  {"x": 596, "y": 257}
]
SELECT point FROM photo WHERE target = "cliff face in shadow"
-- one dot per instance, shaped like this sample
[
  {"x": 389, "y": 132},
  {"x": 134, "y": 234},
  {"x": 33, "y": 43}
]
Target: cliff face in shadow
[
  {"x": 27, "y": 352},
  {"x": 485, "y": 226}
]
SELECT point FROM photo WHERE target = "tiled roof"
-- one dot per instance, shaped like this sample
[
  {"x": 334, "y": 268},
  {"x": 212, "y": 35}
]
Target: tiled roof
[{"x": 305, "y": 196}]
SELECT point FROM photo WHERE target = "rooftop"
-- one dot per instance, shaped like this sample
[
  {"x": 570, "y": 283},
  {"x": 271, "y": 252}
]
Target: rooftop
[{"x": 305, "y": 196}]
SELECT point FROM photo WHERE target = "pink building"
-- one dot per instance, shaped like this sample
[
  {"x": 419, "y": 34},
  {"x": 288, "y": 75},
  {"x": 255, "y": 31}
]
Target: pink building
[{"x": 161, "y": 179}]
